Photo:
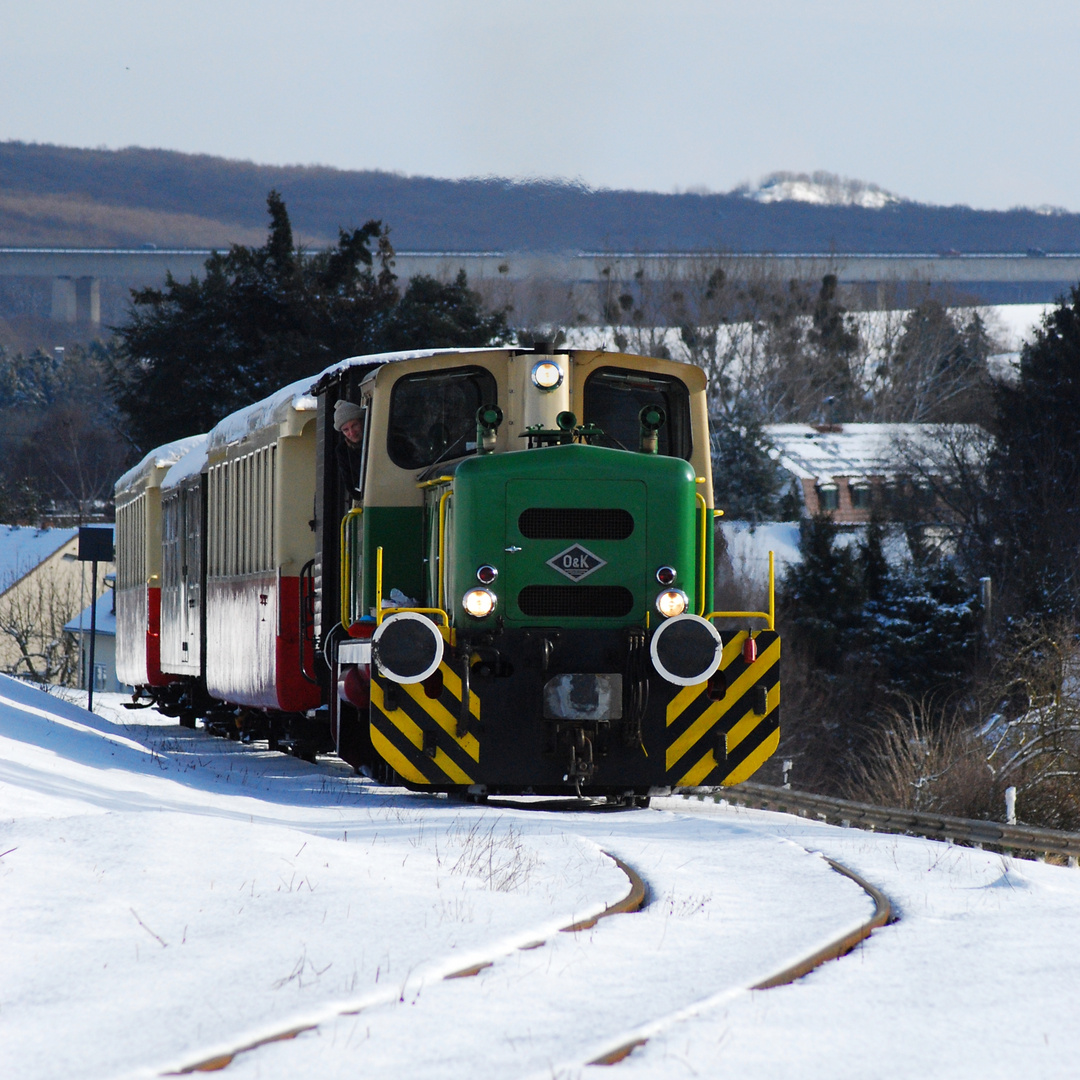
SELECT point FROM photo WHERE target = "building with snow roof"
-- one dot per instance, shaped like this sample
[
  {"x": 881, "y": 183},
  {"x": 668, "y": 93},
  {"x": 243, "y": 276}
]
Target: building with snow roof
[
  {"x": 849, "y": 470},
  {"x": 104, "y": 642},
  {"x": 42, "y": 586}
]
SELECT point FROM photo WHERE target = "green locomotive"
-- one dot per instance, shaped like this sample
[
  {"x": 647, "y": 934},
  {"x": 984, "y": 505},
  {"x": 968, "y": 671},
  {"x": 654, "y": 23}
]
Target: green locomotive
[{"x": 524, "y": 601}]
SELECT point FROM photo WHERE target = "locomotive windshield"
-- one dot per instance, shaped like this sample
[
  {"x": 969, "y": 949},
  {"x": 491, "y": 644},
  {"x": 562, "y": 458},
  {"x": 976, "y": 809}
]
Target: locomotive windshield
[
  {"x": 615, "y": 396},
  {"x": 433, "y": 415}
]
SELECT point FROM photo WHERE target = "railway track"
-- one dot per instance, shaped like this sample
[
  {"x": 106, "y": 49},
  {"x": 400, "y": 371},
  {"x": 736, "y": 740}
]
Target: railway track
[
  {"x": 833, "y": 950},
  {"x": 615, "y": 1046},
  {"x": 634, "y": 900}
]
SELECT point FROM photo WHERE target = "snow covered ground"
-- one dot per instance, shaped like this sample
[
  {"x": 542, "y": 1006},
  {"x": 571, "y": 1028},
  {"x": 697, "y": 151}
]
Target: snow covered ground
[{"x": 167, "y": 897}]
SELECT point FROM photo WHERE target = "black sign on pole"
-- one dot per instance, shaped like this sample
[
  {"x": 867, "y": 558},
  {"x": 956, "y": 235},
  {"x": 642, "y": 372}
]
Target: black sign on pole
[{"x": 95, "y": 545}]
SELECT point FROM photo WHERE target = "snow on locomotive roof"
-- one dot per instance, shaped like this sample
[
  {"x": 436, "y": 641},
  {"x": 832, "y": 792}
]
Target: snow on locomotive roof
[
  {"x": 160, "y": 457},
  {"x": 392, "y": 357},
  {"x": 298, "y": 397},
  {"x": 189, "y": 465}
]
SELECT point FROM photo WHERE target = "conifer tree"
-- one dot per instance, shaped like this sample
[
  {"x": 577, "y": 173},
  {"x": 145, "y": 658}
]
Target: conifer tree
[
  {"x": 1029, "y": 525},
  {"x": 260, "y": 318},
  {"x": 747, "y": 483}
]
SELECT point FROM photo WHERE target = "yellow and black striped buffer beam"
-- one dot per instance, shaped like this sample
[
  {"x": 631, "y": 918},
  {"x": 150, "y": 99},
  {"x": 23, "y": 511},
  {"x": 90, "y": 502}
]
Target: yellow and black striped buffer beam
[
  {"x": 418, "y": 730},
  {"x": 721, "y": 732}
]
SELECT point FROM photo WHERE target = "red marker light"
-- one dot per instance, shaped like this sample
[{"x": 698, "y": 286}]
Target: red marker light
[
  {"x": 665, "y": 575},
  {"x": 486, "y": 574},
  {"x": 749, "y": 650}
]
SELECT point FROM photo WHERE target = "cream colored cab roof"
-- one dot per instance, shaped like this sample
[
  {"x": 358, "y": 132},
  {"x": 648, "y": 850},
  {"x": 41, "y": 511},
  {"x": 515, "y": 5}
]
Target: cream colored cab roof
[{"x": 388, "y": 484}]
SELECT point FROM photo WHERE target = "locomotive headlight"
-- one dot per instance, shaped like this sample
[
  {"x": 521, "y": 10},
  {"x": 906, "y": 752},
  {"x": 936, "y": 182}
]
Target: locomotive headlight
[
  {"x": 671, "y": 603},
  {"x": 547, "y": 376},
  {"x": 479, "y": 603}
]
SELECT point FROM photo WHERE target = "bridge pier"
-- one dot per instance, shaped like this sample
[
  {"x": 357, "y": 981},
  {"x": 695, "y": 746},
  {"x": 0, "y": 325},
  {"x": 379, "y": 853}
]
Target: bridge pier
[{"x": 76, "y": 300}]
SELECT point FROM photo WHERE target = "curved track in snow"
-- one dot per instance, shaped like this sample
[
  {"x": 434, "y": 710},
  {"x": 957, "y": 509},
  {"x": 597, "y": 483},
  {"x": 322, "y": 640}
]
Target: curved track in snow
[
  {"x": 503, "y": 987},
  {"x": 634, "y": 900},
  {"x": 170, "y": 898},
  {"x": 835, "y": 949}
]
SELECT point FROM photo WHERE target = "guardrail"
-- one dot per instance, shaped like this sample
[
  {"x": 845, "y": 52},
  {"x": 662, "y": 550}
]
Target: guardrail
[{"x": 992, "y": 834}]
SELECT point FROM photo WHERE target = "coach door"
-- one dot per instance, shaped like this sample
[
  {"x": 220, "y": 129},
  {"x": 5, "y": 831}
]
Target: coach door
[{"x": 190, "y": 530}]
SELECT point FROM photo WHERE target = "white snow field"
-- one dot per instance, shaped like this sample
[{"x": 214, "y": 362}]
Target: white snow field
[{"x": 167, "y": 897}]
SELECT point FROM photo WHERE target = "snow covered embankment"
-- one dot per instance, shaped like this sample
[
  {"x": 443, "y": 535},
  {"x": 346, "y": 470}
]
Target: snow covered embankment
[{"x": 152, "y": 907}]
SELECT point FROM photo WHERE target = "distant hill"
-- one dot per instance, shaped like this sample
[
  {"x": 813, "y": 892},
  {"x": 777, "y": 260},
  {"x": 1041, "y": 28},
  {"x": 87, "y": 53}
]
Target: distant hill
[{"x": 57, "y": 195}]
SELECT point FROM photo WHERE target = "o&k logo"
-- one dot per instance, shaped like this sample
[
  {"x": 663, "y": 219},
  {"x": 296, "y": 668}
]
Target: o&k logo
[{"x": 576, "y": 562}]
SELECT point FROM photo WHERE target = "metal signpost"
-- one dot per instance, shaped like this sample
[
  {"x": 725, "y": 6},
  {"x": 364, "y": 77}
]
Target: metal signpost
[{"x": 95, "y": 545}]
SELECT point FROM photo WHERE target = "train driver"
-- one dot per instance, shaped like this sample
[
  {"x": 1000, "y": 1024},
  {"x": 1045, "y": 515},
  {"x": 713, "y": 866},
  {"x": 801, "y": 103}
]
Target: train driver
[{"x": 349, "y": 421}]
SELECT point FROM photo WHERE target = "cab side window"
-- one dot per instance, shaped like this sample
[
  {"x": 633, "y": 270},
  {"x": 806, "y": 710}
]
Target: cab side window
[
  {"x": 615, "y": 396},
  {"x": 433, "y": 415}
]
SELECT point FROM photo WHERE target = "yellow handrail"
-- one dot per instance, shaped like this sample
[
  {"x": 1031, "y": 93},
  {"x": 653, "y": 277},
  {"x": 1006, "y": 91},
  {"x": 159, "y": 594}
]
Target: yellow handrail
[
  {"x": 442, "y": 547},
  {"x": 378, "y": 586},
  {"x": 346, "y": 565},
  {"x": 704, "y": 550},
  {"x": 769, "y": 616},
  {"x": 421, "y": 611},
  {"x": 772, "y": 590}
]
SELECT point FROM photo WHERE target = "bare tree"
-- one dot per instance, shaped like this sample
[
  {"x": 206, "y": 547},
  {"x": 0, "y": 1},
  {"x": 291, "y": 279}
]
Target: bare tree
[
  {"x": 33, "y": 613},
  {"x": 937, "y": 368},
  {"x": 926, "y": 757},
  {"x": 1032, "y": 732}
]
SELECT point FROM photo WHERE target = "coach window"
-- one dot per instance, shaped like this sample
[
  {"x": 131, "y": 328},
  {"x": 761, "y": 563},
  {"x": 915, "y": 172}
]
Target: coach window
[
  {"x": 615, "y": 396},
  {"x": 433, "y": 415}
]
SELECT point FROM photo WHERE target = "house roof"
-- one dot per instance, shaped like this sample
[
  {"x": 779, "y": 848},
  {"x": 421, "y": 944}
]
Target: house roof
[
  {"x": 825, "y": 452},
  {"x": 23, "y": 548},
  {"x": 106, "y": 617}
]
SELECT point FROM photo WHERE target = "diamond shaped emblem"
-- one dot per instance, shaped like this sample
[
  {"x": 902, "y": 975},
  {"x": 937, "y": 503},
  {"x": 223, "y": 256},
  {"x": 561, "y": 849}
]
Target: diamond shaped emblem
[{"x": 576, "y": 562}]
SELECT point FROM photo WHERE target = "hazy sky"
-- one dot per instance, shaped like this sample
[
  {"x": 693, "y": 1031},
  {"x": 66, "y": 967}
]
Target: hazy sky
[{"x": 969, "y": 101}]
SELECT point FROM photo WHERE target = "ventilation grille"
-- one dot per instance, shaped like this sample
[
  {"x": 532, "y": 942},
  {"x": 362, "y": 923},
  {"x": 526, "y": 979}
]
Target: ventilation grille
[
  {"x": 575, "y": 601},
  {"x": 575, "y": 523}
]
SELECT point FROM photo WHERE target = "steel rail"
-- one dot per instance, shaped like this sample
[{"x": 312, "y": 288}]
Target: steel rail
[
  {"x": 841, "y": 946},
  {"x": 634, "y": 900},
  {"x": 993, "y": 834}
]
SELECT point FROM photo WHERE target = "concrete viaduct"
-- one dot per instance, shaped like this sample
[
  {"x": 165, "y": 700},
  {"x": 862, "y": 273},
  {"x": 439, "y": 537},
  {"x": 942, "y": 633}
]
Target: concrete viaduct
[{"x": 77, "y": 272}]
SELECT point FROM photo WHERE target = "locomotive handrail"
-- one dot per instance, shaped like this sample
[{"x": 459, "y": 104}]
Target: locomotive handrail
[
  {"x": 441, "y": 592},
  {"x": 381, "y": 613},
  {"x": 420, "y": 611},
  {"x": 704, "y": 549},
  {"x": 435, "y": 482},
  {"x": 769, "y": 616},
  {"x": 378, "y": 586},
  {"x": 346, "y": 564}
]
